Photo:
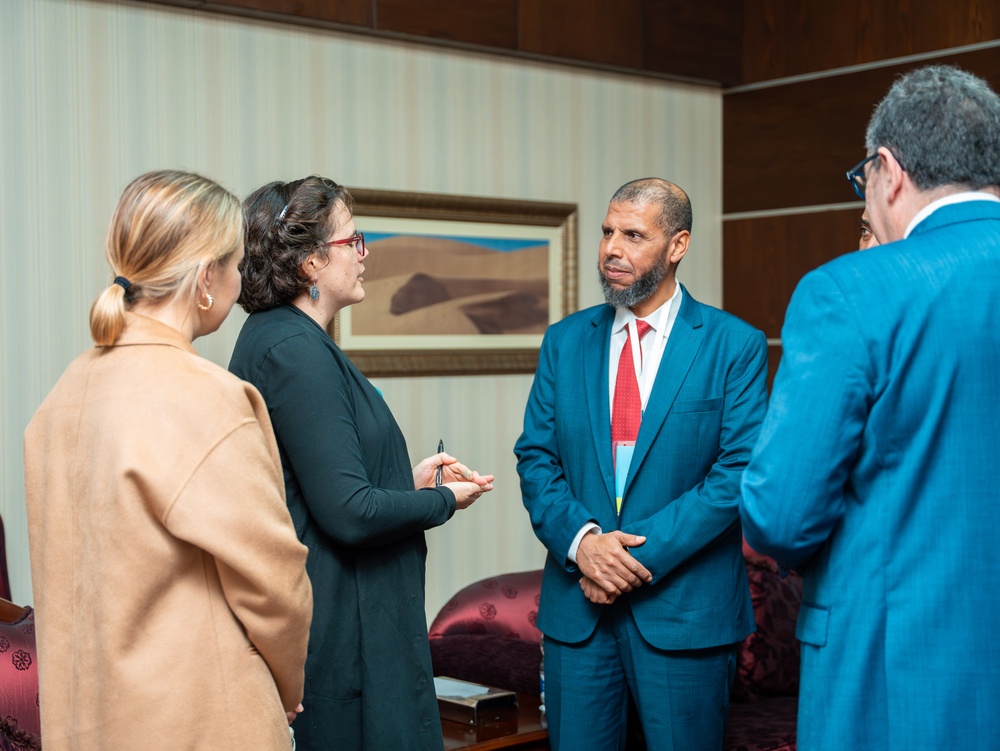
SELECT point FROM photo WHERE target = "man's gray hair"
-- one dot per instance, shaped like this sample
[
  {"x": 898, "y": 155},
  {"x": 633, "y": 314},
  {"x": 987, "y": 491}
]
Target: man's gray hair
[
  {"x": 675, "y": 206},
  {"x": 943, "y": 126}
]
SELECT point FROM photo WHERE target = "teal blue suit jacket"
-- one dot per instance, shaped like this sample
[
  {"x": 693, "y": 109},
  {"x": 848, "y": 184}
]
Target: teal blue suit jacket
[
  {"x": 877, "y": 476},
  {"x": 702, "y": 418}
]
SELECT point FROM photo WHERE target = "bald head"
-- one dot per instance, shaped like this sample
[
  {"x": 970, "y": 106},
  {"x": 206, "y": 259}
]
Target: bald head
[{"x": 674, "y": 204}]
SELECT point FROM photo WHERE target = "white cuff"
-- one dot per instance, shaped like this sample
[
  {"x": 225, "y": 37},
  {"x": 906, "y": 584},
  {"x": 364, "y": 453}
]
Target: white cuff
[{"x": 571, "y": 555}]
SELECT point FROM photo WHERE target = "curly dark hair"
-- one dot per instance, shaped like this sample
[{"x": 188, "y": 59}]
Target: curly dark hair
[{"x": 285, "y": 224}]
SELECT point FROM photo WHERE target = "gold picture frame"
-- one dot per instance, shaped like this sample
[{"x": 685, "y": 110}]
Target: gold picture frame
[{"x": 458, "y": 285}]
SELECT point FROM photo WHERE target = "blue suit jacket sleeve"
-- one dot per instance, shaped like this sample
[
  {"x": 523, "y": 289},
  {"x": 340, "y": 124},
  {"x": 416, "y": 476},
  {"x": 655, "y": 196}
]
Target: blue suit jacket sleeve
[
  {"x": 700, "y": 516},
  {"x": 556, "y": 514},
  {"x": 793, "y": 489}
]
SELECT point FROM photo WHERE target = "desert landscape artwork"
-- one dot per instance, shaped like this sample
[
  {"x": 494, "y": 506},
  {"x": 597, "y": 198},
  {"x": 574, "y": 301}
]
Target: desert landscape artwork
[
  {"x": 419, "y": 285},
  {"x": 457, "y": 285}
]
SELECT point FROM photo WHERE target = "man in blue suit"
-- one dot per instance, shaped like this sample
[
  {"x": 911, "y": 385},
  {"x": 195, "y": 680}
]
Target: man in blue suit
[
  {"x": 645, "y": 589},
  {"x": 877, "y": 474}
]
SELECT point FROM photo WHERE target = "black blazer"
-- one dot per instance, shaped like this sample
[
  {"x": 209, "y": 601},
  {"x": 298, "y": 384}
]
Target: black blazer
[{"x": 349, "y": 488}]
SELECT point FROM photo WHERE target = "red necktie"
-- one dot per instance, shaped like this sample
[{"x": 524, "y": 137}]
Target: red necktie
[{"x": 626, "y": 412}]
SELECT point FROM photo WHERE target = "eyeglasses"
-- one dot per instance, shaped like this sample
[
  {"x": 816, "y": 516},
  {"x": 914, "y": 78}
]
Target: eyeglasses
[
  {"x": 856, "y": 177},
  {"x": 358, "y": 241}
]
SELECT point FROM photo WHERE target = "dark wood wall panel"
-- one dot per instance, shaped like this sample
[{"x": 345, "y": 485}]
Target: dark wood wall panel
[
  {"x": 491, "y": 23},
  {"x": 790, "y": 37},
  {"x": 701, "y": 40},
  {"x": 790, "y": 145},
  {"x": 352, "y": 12},
  {"x": 584, "y": 30},
  {"x": 687, "y": 39},
  {"x": 763, "y": 259}
]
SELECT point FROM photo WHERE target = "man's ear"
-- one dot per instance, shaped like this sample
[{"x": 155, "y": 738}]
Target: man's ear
[
  {"x": 893, "y": 175},
  {"x": 678, "y": 246}
]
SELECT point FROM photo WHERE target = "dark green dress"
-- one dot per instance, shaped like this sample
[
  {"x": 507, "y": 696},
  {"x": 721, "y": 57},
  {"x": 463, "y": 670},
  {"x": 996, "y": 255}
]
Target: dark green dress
[{"x": 350, "y": 491}]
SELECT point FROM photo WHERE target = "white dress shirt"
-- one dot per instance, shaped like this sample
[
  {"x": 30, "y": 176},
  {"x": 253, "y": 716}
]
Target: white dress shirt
[
  {"x": 661, "y": 323},
  {"x": 926, "y": 211}
]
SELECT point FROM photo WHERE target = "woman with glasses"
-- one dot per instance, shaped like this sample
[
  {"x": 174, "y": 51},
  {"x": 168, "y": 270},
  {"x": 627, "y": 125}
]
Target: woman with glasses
[
  {"x": 171, "y": 592},
  {"x": 354, "y": 499}
]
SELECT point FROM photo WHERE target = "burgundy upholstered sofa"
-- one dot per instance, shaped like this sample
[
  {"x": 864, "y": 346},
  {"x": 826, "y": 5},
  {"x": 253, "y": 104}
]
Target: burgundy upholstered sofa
[
  {"x": 486, "y": 634},
  {"x": 20, "y": 728}
]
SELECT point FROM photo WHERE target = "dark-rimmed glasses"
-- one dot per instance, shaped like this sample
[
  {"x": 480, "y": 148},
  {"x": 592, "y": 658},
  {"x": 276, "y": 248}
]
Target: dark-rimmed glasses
[
  {"x": 856, "y": 176},
  {"x": 357, "y": 240}
]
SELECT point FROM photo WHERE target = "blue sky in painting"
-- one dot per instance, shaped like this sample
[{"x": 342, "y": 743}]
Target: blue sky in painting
[{"x": 503, "y": 244}]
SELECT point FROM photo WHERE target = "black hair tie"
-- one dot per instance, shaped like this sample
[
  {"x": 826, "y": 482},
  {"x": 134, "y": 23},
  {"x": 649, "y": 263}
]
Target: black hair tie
[{"x": 126, "y": 285}]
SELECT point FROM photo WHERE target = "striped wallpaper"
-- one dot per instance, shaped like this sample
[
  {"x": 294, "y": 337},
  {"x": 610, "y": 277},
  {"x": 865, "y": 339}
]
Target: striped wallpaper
[{"x": 94, "y": 92}]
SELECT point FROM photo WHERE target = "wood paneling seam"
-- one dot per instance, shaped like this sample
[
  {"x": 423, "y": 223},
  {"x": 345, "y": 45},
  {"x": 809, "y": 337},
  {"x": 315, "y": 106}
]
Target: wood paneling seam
[
  {"x": 792, "y": 210},
  {"x": 889, "y": 62}
]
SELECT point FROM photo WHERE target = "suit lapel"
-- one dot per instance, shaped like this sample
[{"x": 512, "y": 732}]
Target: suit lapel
[
  {"x": 596, "y": 389},
  {"x": 678, "y": 356}
]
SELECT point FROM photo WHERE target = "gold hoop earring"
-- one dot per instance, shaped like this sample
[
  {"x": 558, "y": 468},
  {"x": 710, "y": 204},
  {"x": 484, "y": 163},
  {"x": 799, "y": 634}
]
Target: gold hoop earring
[{"x": 211, "y": 302}]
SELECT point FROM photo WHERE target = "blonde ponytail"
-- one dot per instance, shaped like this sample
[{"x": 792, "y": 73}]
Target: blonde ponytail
[
  {"x": 107, "y": 314},
  {"x": 165, "y": 225}
]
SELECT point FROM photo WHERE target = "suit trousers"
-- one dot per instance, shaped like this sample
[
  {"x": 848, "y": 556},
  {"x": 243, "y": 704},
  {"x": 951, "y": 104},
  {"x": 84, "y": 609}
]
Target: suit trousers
[{"x": 682, "y": 696}]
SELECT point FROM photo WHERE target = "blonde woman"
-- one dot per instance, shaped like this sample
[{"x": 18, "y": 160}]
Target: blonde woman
[{"x": 172, "y": 602}]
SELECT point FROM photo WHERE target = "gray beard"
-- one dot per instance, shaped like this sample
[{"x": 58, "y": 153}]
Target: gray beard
[{"x": 639, "y": 291}]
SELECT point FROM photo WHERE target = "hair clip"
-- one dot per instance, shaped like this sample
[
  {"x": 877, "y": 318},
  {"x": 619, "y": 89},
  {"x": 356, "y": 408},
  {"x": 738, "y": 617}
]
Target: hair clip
[{"x": 283, "y": 212}]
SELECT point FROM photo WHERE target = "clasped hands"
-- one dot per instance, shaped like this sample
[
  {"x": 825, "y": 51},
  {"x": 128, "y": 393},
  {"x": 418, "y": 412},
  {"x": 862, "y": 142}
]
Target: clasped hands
[
  {"x": 608, "y": 569},
  {"x": 466, "y": 484}
]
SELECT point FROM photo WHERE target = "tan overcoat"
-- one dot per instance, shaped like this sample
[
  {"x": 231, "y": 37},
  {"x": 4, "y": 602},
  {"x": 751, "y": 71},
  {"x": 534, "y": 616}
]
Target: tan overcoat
[{"x": 171, "y": 597}]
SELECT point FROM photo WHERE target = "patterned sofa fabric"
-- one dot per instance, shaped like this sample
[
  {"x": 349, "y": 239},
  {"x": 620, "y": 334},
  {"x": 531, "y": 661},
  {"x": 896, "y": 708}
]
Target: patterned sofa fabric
[
  {"x": 768, "y": 662},
  {"x": 4, "y": 576},
  {"x": 486, "y": 633},
  {"x": 490, "y": 660},
  {"x": 505, "y": 605},
  {"x": 19, "y": 678},
  {"x": 763, "y": 725}
]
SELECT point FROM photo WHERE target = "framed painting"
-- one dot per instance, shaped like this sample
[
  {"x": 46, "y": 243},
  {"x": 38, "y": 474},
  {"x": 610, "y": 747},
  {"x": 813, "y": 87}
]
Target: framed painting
[{"x": 457, "y": 285}]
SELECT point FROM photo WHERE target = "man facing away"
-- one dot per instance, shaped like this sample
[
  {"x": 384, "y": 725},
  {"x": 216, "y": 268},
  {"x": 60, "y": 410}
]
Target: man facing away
[
  {"x": 876, "y": 474},
  {"x": 635, "y": 435}
]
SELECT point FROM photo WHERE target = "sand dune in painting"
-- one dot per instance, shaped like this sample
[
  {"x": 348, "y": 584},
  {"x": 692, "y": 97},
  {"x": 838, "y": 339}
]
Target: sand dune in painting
[{"x": 428, "y": 286}]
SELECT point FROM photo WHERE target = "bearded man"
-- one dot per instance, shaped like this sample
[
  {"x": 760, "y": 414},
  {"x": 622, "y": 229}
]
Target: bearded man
[{"x": 642, "y": 415}]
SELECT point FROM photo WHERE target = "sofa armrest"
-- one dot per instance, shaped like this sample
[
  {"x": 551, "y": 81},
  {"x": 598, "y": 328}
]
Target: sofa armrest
[{"x": 504, "y": 605}]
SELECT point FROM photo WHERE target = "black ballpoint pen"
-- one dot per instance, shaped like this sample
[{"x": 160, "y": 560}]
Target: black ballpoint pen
[{"x": 440, "y": 469}]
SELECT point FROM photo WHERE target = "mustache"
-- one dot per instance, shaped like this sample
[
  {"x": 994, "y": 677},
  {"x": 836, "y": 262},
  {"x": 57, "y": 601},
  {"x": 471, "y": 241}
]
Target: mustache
[{"x": 609, "y": 266}]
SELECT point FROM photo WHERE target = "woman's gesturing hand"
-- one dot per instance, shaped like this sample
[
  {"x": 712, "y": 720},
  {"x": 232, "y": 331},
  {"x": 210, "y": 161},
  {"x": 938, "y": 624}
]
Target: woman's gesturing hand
[
  {"x": 466, "y": 484},
  {"x": 452, "y": 471}
]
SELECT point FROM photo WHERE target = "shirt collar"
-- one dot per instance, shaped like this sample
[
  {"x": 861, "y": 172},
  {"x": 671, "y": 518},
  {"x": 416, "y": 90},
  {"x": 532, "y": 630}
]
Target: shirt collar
[
  {"x": 926, "y": 211},
  {"x": 625, "y": 316}
]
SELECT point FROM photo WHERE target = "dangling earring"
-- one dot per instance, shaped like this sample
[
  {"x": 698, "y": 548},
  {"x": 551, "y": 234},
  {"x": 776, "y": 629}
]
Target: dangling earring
[
  {"x": 314, "y": 292},
  {"x": 211, "y": 302}
]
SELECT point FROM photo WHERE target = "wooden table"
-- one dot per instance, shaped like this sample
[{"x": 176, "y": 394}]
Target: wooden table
[{"x": 526, "y": 732}]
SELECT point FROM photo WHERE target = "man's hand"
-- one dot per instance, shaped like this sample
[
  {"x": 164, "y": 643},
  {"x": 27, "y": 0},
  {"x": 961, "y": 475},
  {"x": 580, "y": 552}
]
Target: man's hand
[
  {"x": 607, "y": 565},
  {"x": 594, "y": 593}
]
